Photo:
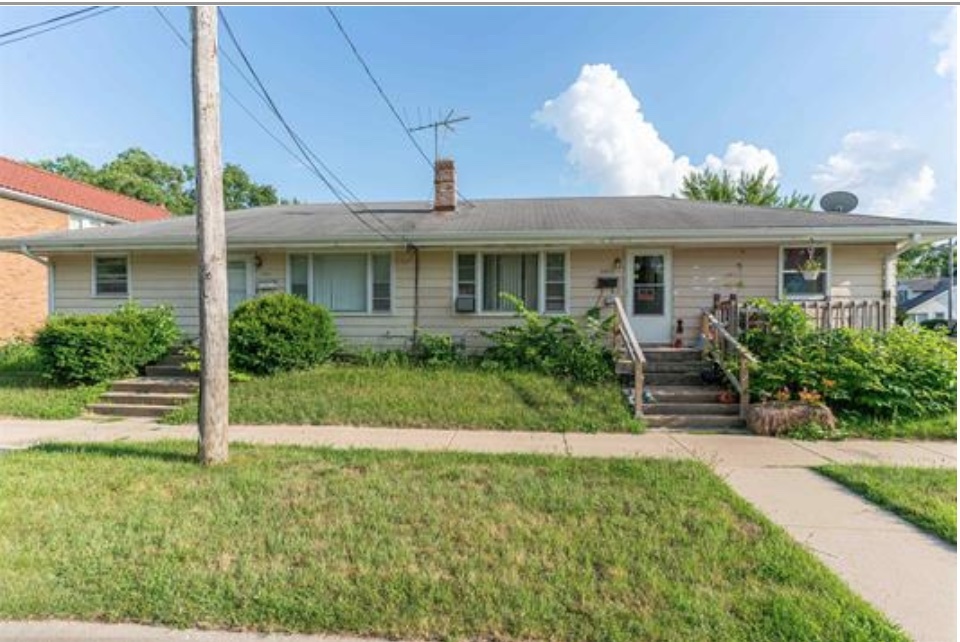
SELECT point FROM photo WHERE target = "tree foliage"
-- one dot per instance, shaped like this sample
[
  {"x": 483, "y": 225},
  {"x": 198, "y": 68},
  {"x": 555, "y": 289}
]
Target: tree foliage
[
  {"x": 747, "y": 189},
  {"x": 140, "y": 175},
  {"x": 926, "y": 261}
]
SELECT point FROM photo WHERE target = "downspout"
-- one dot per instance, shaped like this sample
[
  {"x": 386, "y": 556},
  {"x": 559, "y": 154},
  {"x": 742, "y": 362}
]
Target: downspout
[{"x": 416, "y": 290}]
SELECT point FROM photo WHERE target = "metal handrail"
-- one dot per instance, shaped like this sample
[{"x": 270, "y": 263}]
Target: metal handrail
[{"x": 626, "y": 331}]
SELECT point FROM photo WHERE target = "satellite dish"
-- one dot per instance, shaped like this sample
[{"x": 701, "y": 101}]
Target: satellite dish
[{"x": 838, "y": 202}]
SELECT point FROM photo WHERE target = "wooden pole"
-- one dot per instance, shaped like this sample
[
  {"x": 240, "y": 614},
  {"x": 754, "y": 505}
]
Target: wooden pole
[{"x": 211, "y": 234}]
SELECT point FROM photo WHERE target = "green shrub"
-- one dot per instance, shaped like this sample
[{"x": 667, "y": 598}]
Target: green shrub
[
  {"x": 554, "y": 345},
  {"x": 436, "y": 350},
  {"x": 278, "y": 333},
  {"x": 87, "y": 349},
  {"x": 19, "y": 358},
  {"x": 905, "y": 372}
]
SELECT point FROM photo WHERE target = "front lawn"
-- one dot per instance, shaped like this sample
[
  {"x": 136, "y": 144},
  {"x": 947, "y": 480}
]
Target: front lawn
[
  {"x": 939, "y": 427},
  {"x": 408, "y": 545},
  {"x": 926, "y": 497},
  {"x": 425, "y": 397},
  {"x": 24, "y": 393}
]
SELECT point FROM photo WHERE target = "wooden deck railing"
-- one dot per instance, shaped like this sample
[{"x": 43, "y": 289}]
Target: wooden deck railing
[
  {"x": 824, "y": 314},
  {"x": 626, "y": 344},
  {"x": 724, "y": 349}
]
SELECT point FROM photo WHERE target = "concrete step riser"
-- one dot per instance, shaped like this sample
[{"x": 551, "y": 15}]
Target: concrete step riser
[
  {"x": 116, "y": 410},
  {"x": 167, "y": 371},
  {"x": 672, "y": 357},
  {"x": 694, "y": 421},
  {"x": 687, "y": 409},
  {"x": 672, "y": 379},
  {"x": 674, "y": 366},
  {"x": 145, "y": 399},
  {"x": 146, "y": 388}
]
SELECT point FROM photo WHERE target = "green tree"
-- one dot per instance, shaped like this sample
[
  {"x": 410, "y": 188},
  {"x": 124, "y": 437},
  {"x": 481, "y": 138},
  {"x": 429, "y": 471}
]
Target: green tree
[
  {"x": 139, "y": 174},
  {"x": 748, "y": 189},
  {"x": 926, "y": 261}
]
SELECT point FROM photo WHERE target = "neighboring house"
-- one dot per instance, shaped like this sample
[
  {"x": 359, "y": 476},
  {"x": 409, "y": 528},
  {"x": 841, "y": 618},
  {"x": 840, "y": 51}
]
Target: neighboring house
[
  {"x": 440, "y": 267},
  {"x": 911, "y": 288},
  {"x": 932, "y": 304},
  {"x": 34, "y": 201}
]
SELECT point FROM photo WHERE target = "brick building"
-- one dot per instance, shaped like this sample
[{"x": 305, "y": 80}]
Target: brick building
[{"x": 33, "y": 201}]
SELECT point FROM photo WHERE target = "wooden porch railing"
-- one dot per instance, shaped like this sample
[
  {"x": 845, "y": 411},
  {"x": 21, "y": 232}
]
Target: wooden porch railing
[
  {"x": 824, "y": 314},
  {"x": 626, "y": 345},
  {"x": 721, "y": 345}
]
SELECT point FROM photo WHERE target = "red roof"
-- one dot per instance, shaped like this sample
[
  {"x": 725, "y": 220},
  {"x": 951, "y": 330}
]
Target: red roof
[{"x": 27, "y": 179}]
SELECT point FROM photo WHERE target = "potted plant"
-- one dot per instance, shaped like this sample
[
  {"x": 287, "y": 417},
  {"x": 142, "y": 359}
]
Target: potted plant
[{"x": 810, "y": 269}]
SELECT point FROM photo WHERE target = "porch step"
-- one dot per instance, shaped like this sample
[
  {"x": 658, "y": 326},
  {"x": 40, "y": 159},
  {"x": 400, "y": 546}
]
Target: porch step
[
  {"x": 684, "y": 394},
  {"x": 168, "y": 370},
  {"x": 713, "y": 409},
  {"x": 151, "y": 398},
  {"x": 673, "y": 378},
  {"x": 128, "y": 410},
  {"x": 680, "y": 367},
  {"x": 188, "y": 385},
  {"x": 661, "y": 354},
  {"x": 710, "y": 422}
]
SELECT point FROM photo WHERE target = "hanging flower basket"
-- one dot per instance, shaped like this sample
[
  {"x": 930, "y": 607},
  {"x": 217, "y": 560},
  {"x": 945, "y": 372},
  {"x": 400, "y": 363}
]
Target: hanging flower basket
[{"x": 810, "y": 270}]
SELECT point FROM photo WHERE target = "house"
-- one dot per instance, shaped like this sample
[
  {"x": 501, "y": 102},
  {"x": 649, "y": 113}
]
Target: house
[
  {"x": 389, "y": 268},
  {"x": 932, "y": 303},
  {"x": 34, "y": 201},
  {"x": 911, "y": 288}
]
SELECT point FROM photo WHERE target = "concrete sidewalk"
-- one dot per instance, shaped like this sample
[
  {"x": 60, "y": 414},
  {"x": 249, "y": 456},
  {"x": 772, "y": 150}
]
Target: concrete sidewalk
[
  {"x": 68, "y": 631},
  {"x": 908, "y": 575},
  {"x": 723, "y": 452}
]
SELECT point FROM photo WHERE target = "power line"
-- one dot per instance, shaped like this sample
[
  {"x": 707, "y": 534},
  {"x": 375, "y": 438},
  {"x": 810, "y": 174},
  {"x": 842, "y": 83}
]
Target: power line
[
  {"x": 48, "y": 21},
  {"x": 383, "y": 94},
  {"x": 308, "y": 154},
  {"x": 253, "y": 117},
  {"x": 78, "y": 16}
]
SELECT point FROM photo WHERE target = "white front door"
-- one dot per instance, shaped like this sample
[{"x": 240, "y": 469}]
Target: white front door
[{"x": 650, "y": 295}]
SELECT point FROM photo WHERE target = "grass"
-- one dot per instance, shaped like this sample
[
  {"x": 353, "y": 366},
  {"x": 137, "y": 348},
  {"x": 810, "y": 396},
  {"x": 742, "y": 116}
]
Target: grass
[
  {"x": 940, "y": 427},
  {"x": 24, "y": 393},
  {"x": 923, "y": 496},
  {"x": 425, "y": 397},
  {"x": 409, "y": 545}
]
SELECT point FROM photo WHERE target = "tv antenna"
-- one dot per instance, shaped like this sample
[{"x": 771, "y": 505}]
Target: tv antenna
[
  {"x": 446, "y": 122},
  {"x": 843, "y": 202}
]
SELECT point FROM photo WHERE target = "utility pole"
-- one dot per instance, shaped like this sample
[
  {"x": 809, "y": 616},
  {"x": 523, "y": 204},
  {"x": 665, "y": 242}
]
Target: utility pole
[{"x": 211, "y": 235}]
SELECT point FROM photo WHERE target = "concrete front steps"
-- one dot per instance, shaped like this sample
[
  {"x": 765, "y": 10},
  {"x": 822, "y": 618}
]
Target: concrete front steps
[
  {"x": 166, "y": 386},
  {"x": 681, "y": 401}
]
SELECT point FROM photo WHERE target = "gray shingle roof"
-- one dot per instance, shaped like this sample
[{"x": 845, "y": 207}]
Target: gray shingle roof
[{"x": 495, "y": 220}]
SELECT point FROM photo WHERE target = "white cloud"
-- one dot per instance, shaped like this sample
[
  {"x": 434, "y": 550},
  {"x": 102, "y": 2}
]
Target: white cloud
[
  {"x": 946, "y": 37},
  {"x": 613, "y": 144},
  {"x": 887, "y": 174},
  {"x": 744, "y": 158}
]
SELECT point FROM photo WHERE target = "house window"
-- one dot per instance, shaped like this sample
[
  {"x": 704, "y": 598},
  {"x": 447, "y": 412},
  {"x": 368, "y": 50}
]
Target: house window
[
  {"x": 539, "y": 279},
  {"x": 237, "y": 291},
  {"x": 797, "y": 281},
  {"x": 351, "y": 283},
  {"x": 111, "y": 276}
]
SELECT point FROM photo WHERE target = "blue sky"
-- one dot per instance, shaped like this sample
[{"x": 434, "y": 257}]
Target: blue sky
[{"x": 839, "y": 97}]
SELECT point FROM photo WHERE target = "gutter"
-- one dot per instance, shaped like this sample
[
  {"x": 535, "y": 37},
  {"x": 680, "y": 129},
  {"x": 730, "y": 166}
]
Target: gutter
[
  {"x": 25, "y": 251},
  {"x": 46, "y": 203},
  {"x": 519, "y": 238}
]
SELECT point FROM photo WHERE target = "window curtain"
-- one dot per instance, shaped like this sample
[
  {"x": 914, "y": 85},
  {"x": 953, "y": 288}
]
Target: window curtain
[{"x": 340, "y": 282}]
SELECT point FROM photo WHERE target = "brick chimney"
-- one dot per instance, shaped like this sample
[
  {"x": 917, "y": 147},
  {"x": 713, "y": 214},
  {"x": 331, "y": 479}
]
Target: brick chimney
[{"x": 444, "y": 186}]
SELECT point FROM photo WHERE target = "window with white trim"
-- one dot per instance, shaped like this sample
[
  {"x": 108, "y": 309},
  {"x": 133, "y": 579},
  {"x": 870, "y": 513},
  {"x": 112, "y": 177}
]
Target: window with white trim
[
  {"x": 797, "y": 279},
  {"x": 355, "y": 283},
  {"x": 539, "y": 279},
  {"x": 111, "y": 276}
]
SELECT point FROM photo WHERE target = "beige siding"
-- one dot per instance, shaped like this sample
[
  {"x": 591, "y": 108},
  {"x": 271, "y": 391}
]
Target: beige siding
[{"x": 698, "y": 273}]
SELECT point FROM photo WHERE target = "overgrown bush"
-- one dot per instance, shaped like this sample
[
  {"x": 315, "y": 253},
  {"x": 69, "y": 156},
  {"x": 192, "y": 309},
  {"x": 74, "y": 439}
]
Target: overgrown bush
[
  {"x": 554, "y": 345},
  {"x": 905, "y": 372},
  {"x": 86, "y": 349},
  {"x": 436, "y": 350},
  {"x": 280, "y": 332}
]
